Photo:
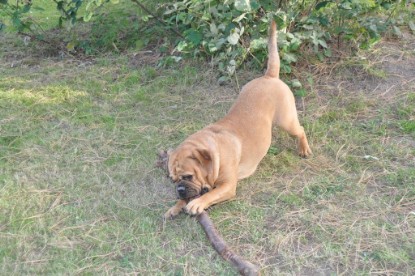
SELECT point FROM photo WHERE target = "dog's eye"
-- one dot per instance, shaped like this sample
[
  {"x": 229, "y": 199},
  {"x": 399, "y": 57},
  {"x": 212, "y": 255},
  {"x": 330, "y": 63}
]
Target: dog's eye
[{"x": 187, "y": 177}]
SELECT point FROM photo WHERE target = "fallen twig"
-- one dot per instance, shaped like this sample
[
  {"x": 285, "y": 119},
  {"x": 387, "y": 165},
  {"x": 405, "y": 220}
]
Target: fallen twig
[{"x": 244, "y": 267}]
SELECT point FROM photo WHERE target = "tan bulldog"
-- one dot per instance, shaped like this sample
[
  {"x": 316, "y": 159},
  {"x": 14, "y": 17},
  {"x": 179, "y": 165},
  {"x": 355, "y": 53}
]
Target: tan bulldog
[{"x": 206, "y": 167}]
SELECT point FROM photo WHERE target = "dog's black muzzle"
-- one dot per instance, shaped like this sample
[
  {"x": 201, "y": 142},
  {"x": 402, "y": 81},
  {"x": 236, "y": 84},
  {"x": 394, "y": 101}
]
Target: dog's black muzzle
[{"x": 185, "y": 190}]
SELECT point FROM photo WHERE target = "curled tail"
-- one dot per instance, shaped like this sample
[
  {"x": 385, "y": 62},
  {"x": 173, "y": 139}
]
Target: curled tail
[{"x": 273, "y": 67}]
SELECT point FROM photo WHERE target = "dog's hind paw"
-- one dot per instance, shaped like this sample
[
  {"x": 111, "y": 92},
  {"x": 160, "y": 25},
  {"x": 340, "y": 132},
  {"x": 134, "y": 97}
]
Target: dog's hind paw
[{"x": 305, "y": 152}]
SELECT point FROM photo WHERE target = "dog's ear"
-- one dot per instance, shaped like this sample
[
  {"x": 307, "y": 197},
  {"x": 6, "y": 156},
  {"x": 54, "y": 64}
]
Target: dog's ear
[
  {"x": 210, "y": 161},
  {"x": 203, "y": 155},
  {"x": 171, "y": 164}
]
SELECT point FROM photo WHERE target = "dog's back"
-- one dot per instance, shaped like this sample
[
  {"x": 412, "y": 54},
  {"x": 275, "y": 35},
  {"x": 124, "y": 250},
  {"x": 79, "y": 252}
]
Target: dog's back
[{"x": 262, "y": 94}]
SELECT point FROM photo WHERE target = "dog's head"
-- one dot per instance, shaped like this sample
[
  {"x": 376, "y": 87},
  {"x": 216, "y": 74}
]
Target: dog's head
[{"x": 193, "y": 170}]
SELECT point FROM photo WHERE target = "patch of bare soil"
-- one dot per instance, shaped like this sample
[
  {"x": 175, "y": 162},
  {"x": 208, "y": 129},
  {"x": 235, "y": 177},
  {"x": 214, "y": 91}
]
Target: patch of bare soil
[
  {"x": 147, "y": 57},
  {"x": 385, "y": 73},
  {"x": 29, "y": 52}
]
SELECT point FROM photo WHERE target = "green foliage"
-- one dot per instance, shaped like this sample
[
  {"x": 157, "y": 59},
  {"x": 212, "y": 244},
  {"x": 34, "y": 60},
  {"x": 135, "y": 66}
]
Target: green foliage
[
  {"x": 231, "y": 32},
  {"x": 14, "y": 12},
  {"x": 68, "y": 10},
  {"x": 116, "y": 30}
]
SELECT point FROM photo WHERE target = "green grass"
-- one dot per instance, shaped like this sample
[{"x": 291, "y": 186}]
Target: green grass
[{"x": 79, "y": 193}]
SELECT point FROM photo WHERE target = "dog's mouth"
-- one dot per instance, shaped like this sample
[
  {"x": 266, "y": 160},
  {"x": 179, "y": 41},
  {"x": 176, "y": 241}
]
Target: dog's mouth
[{"x": 186, "y": 190}]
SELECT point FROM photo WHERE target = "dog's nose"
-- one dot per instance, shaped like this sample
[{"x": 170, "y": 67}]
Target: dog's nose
[{"x": 181, "y": 190}]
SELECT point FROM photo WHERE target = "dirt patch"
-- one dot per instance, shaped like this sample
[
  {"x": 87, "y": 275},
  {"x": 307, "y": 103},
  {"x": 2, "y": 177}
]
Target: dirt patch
[
  {"x": 148, "y": 57},
  {"x": 387, "y": 71}
]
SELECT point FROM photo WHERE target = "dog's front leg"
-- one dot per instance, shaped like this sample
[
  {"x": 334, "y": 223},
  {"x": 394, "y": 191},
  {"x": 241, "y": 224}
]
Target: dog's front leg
[
  {"x": 175, "y": 210},
  {"x": 221, "y": 193}
]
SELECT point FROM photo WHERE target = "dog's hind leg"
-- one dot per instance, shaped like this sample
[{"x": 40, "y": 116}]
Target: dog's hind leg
[{"x": 293, "y": 127}]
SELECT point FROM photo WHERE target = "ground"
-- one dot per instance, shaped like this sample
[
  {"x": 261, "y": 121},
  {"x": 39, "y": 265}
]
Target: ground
[{"x": 79, "y": 193}]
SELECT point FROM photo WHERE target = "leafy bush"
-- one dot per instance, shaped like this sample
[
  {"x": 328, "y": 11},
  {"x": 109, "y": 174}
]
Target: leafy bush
[
  {"x": 14, "y": 13},
  {"x": 232, "y": 32}
]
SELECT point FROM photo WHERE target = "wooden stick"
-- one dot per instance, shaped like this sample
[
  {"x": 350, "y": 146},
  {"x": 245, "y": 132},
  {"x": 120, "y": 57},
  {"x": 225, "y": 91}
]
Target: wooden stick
[{"x": 244, "y": 267}]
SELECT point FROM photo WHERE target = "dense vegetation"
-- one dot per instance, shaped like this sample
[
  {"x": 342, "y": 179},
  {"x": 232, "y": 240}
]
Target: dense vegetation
[{"x": 229, "y": 33}]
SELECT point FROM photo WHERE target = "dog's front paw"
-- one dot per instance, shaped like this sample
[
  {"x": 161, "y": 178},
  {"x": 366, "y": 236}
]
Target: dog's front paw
[
  {"x": 172, "y": 213},
  {"x": 196, "y": 206}
]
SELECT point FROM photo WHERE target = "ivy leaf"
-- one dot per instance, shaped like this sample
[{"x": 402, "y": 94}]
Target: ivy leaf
[
  {"x": 412, "y": 26},
  {"x": 220, "y": 43},
  {"x": 308, "y": 27},
  {"x": 88, "y": 5},
  {"x": 288, "y": 35},
  {"x": 346, "y": 6},
  {"x": 322, "y": 43},
  {"x": 243, "y": 5},
  {"x": 88, "y": 16},
  {"x": 294, "y": 44},
  {"x": 328, "y": 53},
  {"x": 324, "y": 21},
  {"x": 139, "y": 44},
  {"x": 194, "y": 36},
  {"x": 397, "y": 31},
  {"x": 231, "y": 67},
  {"x": 273, "y": 150},
  {"x": 296, "y": 83},
  {"x": 212, "y": 47},
  {"x": 222, "y": 80},
  {"x": 280, "y": 19},
  {"x": 257, "y": 44},
  {"x": 17, "y": 22},
  {"x": 239, "y": 18},
  {"x": 241, "y": 32},
  {"x": 322, "y": 5},
  {"x": 213, "y": 29},
  {"x": 233, "y": 38},
  {"x": 289, "y": 58},
  {"x": 300, "y": 92},
  {"x": 286, "y": 68},
  {"x": 181, "y": 46},
  {"x": 255, "y": 5},
  {"x": 386, "y": 5},
  {"x": 25, "y": 9},
  {"x": 71, "y": 46}
]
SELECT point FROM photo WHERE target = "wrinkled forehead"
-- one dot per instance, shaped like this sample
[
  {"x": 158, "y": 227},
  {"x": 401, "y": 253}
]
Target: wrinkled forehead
[
  {"x": 182, "y": 162},
  {"x": 185, "y": 164},
  {"x": 185, "y": 170}
]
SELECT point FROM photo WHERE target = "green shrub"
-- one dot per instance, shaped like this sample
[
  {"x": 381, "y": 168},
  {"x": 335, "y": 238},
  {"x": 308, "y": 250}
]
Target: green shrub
[{"x": 229, "y": 33}]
